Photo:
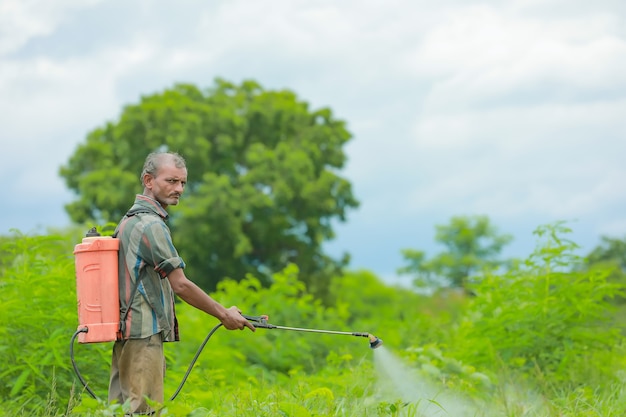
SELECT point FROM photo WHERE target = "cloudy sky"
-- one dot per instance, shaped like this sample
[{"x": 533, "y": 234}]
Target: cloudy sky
[{"x": 514, "y": 109}]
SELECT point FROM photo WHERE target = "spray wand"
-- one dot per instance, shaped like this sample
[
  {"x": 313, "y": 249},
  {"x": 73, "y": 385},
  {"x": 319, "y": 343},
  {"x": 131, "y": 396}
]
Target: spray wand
[{"x": 260, "y": 322}]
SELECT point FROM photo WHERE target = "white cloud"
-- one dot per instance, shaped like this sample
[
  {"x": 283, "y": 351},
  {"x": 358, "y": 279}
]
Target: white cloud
[
  {"x": 21, "y": 20},
  {"x": 47, "y": 100},
  {"x": 551, "y": 160},
  {"x": 520, "y": 129},
  {"x": 482, "y": 53},
  {"x": 524, "y": 116}
]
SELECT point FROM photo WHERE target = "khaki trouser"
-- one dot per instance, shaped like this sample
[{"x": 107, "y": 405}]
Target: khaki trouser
[{"x": 137, "y": 371}]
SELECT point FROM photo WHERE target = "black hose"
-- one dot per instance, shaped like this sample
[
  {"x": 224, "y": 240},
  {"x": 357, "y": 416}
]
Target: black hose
[
  {"x": 80, "y": 377},
  {"x": 180, "y": 386},
  {"x": 193, "y": 361}
]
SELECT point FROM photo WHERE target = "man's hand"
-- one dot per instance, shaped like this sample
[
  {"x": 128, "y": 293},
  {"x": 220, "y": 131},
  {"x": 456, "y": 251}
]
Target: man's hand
[{"x": 233, "y": 320}]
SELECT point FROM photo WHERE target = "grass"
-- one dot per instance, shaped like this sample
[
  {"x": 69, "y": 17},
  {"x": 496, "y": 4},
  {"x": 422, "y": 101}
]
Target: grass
[{"x": 343, "y": 394}]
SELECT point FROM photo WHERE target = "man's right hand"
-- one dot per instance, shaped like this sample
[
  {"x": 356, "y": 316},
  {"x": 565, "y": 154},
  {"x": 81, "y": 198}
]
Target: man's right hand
[{"x": 233, "y": 320}]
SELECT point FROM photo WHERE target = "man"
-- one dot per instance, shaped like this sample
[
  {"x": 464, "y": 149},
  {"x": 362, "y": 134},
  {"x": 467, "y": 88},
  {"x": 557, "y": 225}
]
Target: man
[{"x": 151, "y": 272}]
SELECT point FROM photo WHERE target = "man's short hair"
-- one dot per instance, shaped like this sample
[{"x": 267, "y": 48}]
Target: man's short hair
[{"x": 155, "y": 160}]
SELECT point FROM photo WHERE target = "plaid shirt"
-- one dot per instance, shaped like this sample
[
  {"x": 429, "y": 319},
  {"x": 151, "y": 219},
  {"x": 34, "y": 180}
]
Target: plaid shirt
[{"x": 148, "y": 255}]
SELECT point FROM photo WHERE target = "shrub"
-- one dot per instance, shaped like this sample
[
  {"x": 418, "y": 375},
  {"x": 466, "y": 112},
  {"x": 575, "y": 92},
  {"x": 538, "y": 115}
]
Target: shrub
[
  {"x": 38, "y": 302},
  {"x": 546, "y": 319}
]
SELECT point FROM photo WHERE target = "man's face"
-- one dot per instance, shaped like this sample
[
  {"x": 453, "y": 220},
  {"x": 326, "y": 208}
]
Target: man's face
[{"x": 168, "y": 185}]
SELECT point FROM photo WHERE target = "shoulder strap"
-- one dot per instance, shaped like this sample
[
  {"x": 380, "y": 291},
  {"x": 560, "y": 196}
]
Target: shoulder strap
[{"x": 130, "y": 213}]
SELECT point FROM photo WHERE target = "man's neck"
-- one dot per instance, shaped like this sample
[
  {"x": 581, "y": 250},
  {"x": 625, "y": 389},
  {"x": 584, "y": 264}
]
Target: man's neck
[{"x": 151, "y": 197}]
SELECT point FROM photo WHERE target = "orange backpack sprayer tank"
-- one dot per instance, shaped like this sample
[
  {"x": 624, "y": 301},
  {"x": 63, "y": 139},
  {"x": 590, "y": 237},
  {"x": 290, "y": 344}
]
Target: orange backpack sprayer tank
[{"x": 96, "y": 260}]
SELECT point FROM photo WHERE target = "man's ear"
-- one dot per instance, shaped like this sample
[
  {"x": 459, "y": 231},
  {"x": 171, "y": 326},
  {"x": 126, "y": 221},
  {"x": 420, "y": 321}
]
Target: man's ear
[{"x": 148, "y": 180}]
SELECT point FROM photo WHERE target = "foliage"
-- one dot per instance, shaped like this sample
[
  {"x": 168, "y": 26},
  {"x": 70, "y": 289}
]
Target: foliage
[
  {"x": 369, "y": 304},
  {"x": 546, "y": 319},
  {"x": 472, "y": 245},
  {"x": 534, "y": 341},
  {"x": 610, "y": 250},
  {"x": 38, "y": 302},
  {"x": 287, "y": 303},
  {"x": 610, "y": 255},
  {"x": 263, "y": 186}
]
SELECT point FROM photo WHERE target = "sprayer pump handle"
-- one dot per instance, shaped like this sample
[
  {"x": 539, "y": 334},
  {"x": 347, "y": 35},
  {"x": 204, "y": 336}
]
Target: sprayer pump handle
[{"x": 259, "y": 321}]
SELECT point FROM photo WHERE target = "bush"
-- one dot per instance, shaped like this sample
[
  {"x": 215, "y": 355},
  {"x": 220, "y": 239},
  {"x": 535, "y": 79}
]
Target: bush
[
  {"x": 38, "y": 302},
  {"x": 546, "y": 319}
]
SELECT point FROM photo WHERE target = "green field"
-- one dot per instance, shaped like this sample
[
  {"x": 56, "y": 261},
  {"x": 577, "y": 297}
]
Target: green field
[{"x": 538, "y": 340}]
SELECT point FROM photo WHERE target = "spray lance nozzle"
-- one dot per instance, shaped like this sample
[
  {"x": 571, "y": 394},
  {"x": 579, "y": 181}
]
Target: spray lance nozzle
[
  {"x": 375, "y": 342},
  {"x": 261, "y": 322}
]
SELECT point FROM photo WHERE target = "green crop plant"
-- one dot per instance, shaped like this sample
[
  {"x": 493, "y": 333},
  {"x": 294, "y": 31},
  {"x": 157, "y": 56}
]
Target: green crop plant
[{"x": 548, "y": 319}]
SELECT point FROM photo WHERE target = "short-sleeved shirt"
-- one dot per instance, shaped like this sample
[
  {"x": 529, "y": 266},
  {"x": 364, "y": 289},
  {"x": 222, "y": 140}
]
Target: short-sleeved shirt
[{"x": 147, "y": 256}]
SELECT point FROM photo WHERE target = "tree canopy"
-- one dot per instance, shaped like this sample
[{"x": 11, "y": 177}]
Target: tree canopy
[
  {"x": 263, "y": 177},
  {"x": 472, "y": 243}
]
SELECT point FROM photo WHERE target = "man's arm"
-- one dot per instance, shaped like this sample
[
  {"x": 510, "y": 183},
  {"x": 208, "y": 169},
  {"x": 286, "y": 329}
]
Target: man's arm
[{"x": 189, "y": 292}]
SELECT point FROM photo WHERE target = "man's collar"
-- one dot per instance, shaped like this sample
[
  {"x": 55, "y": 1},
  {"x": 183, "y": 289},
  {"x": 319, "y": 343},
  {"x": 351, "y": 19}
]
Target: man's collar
[{"x": 152, "y": 204}]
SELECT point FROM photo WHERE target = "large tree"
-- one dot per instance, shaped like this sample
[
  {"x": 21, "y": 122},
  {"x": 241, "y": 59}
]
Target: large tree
[
  {"x": 471, "y": 244},
  {"x": 263, "y": 184}
]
